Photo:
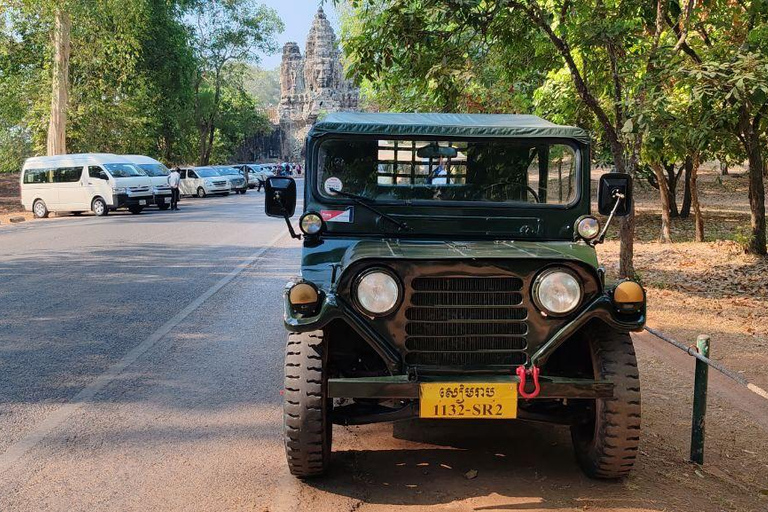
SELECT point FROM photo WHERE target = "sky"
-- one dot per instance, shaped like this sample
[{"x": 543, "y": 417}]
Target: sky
[{"x": 297, "y": 15}]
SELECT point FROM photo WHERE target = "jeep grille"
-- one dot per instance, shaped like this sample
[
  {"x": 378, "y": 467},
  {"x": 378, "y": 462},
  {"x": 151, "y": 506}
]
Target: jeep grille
[{"x": 466, "y": 321}]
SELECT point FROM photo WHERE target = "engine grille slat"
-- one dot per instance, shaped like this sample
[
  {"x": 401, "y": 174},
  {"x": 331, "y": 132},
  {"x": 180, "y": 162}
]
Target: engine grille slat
[
  {"x": 467, "y": 299},
  {"x": 445, "y": 314},
  {"x": 465, "y": 343},
  {"x": 467, "y": 321},
  {"x": 466, "y": 358},
  {"x": 467, "y": 284}
]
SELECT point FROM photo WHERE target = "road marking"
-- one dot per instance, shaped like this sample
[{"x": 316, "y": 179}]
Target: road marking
[{"x": 17, "y": 450}]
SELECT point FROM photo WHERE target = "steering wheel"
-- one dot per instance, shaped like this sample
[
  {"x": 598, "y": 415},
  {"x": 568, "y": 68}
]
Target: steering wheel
[{"x": 515, "y": 186}]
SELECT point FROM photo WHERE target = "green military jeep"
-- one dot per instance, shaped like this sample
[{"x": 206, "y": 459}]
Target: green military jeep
[{"x": 449, "y": 271}]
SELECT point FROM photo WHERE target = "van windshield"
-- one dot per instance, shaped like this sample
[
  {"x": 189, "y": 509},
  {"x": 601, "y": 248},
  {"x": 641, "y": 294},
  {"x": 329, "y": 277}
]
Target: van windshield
[
  {"x": 123, "y": 170},
  {"x": 228, "y": 171},
  {"x": 507, "y": 171},
  {"x": 155, "y": 169}
]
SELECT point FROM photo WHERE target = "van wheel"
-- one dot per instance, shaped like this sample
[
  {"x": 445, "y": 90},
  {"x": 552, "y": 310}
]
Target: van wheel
[
  {"x": 306, "y": 407},
  {"x": 39, "y": 210},
  {"x": 244, "y": 191},
  {"x": 200, "y": 192},
  {"x": 164, "y": 206},
  {"x": 99, "y": 207},
  {"x": 135, "y": 209},
  {"x": 606, "y": 445}
]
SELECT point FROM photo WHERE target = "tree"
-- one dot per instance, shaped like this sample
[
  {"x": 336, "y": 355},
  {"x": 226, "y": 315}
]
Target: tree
[
  {"x": 728, "y": 61},
  {"x": 57, "y": 129},
  {"x": 225, "y": 32}
]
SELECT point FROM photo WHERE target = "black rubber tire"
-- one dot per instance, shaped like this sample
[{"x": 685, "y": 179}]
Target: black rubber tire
[
  {"x": 39, "y": 209},
  {"x": 135, "y": 210},
  {"x": 244, "y": 191},
  {"x": 226, "y": 194},
  {"x": 99, "y": 212},
  {"x": 164, "y": 206},
  {"x": 307, "y": 427},
  {"x": 201, "y": 192},
  {"x": 606, "y": 448}
]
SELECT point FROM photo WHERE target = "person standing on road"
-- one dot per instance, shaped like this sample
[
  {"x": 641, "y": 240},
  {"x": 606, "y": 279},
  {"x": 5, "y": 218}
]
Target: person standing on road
[{"x": 173, "y": 180}]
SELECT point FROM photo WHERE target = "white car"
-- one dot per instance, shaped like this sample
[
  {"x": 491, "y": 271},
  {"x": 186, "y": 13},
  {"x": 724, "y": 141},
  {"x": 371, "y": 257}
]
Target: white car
[
  {"x": 203, "y": 181},
  {"x": 253, "y": 173},
  {"x": 78, "y": 183},
  {"x": 158, "y": 174},
  {"x": 235, "y": 177}
]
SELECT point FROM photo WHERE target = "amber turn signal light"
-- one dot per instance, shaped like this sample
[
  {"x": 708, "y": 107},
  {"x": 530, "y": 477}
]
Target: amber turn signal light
[
  {"x": 303, "y": 297},
  {"x": 629, "y": 297}
]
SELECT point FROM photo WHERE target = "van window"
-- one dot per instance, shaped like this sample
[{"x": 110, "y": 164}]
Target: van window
[
  {"x": 37, "y": 176},
  {"x": 67, "y": 174},
  {"x": 192, "y": 174},
  {"x": 94, "y": 171}
]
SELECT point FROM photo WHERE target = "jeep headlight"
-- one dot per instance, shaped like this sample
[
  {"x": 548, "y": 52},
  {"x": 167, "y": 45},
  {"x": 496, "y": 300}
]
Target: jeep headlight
[
  {"x": 557, "y": 292},
  {"x": 377, "y": 292}
]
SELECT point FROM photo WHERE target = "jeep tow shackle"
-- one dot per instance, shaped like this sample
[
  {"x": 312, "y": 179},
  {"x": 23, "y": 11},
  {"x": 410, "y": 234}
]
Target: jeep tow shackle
[{"x": 522, "y": 373}]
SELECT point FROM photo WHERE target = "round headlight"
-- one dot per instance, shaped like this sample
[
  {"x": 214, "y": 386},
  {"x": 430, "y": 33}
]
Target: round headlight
[
  {"x": 588, "y": 228},
  {"x": 557, "y": 292},
  {"x": 311, "y": 223},
  {"x": 377, "y": 292}
]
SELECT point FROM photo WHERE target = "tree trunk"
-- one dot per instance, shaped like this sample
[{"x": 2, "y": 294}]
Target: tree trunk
[
  {"x": 201, "y": 160},
  {"x": 756, "y": 197},
  {"x": 672, "y": 189},
  {"x": 685, "y": 210},
  {"x": 666, "y": 234},
  {"x": 57, "y": 126},
  {"x": 697, "y": 218},
  {"x": 723, "y": 168}
]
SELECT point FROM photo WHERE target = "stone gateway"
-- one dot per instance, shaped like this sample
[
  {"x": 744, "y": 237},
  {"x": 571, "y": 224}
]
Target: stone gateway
[{"x": 312, "y": 86}]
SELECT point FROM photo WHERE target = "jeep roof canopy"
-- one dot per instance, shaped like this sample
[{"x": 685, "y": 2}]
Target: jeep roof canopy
[{"x": 458, "y": 125}]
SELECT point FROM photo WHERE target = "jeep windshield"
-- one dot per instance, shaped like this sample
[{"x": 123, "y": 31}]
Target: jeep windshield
[{"x": 491, "y": 171}]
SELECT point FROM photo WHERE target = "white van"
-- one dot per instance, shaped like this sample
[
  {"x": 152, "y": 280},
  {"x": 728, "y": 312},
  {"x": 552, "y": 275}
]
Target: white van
[
  {"x": 78, "y": 183},
  {"x": 158, "y": 174}
]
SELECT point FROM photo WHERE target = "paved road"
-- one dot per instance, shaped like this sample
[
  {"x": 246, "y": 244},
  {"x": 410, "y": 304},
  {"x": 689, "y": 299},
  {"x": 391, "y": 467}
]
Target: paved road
[{"x": 141, "y": 368}]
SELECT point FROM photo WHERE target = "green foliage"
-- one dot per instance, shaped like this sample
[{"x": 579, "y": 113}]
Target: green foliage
[{"x": 134, "y": 70}]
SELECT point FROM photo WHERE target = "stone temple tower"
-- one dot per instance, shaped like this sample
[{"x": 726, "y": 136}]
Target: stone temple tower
[{"x": 312, "y": 85}]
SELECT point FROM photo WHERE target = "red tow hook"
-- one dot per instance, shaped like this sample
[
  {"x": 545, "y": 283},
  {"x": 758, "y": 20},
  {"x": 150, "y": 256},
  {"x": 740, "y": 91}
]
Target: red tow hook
[{"x": 522, "y": 373}]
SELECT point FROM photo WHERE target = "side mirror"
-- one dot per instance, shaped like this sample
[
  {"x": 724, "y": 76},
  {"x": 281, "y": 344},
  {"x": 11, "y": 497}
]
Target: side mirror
[
  {"x": 612, "y": 187},
  {"x": 280, "y": 197},
  {"x": 103, "y": 176}
]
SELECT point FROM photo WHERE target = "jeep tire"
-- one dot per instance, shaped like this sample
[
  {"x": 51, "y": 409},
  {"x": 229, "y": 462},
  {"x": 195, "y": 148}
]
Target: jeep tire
[
  {"x": 606, "y": 446},
  {"x": 306, "y": 408}
]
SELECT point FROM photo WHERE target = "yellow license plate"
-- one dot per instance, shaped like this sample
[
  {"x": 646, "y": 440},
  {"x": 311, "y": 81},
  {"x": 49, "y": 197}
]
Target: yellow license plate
[{"x": 468, "y": 400}]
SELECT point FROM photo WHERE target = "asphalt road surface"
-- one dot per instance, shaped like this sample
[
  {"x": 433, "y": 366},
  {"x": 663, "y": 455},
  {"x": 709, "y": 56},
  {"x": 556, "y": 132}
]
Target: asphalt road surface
[{"x": 141, "y": 361}]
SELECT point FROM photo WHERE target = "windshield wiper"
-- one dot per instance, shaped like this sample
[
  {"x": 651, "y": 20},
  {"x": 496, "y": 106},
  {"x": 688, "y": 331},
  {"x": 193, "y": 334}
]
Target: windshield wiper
[{"x": 363, "y": 201}]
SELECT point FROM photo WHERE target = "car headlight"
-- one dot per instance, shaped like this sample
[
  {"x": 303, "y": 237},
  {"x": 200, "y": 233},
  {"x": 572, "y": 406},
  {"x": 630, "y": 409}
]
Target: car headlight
[
  {"x": 557, "y": 292},
  {"x": 588, "y": 227},
  {"x": 311, "y": 223},
  {"x": 377, "y": 292},
  {"x": 119, "y": 190},
  {"x": 208, "y": 182}
]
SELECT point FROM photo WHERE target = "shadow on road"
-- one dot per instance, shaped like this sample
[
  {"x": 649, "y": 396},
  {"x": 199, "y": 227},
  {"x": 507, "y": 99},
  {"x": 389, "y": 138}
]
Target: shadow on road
[{"x": 518, "y": 465}]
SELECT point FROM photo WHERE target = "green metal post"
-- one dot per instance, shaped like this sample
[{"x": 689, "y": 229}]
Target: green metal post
[{"x": 700, "y": 402}]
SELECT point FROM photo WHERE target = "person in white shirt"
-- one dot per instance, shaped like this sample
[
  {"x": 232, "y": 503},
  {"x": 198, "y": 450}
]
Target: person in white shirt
[
  {"x": 173, "y": 181},
  {"x": 440, "y": 174}
]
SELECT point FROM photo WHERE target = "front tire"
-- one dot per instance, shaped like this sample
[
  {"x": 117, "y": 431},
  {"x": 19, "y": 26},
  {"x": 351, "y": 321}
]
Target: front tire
[
  {"x": 164, "y": 206},
  {"x": 99, "y": 207},
  {"x": 135, "y": 209},
  {"x": 39, "y": 210},
  {"x": 307, "y": 426},
  {"x": 606, "y": 446}
]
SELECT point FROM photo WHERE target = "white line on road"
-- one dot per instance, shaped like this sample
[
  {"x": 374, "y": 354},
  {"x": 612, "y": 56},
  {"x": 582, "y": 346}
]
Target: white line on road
[{"x": 17, "y": 450}]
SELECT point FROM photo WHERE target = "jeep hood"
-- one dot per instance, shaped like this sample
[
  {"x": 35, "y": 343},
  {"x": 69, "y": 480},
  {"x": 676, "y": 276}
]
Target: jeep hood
[{"x": 319, "y": 261}]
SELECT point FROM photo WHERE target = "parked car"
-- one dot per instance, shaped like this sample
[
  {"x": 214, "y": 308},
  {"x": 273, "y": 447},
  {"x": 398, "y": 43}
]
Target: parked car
[
  {"x": 257, "y": 174},
  {"x": 203, "y": 181},
  {"x": 81, "y": 182},
  {"x": 235, "y": 177},
  {"x": 158, "y": 174},
  {"x": 478, "y": 297}
]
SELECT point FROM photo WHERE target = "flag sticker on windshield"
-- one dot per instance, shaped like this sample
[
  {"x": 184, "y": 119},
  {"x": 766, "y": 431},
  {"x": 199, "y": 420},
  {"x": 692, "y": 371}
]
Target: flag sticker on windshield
[{"x": 338, "y": 215}]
